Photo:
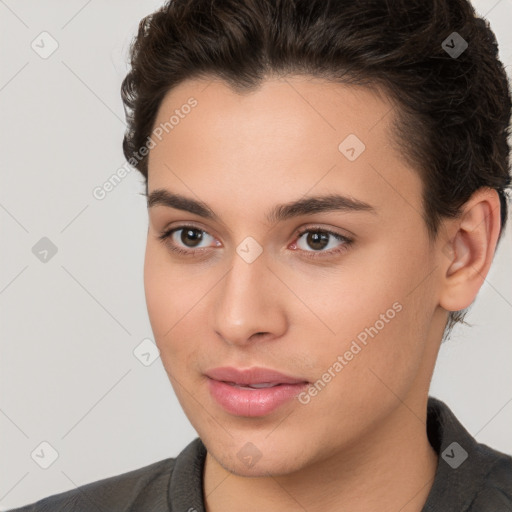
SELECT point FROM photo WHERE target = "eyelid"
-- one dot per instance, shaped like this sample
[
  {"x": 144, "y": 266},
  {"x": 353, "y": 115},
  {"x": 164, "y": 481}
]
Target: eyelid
[{"x": 317, "y": 227}]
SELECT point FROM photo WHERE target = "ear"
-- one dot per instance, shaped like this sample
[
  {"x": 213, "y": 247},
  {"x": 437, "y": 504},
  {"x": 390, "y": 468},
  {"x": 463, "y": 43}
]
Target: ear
[{"x": 468, "y": 254}]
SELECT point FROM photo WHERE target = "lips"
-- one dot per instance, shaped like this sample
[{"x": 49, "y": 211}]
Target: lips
[
  {"x": 256, "y": 377},
  {"x": 252, "y": 392}
]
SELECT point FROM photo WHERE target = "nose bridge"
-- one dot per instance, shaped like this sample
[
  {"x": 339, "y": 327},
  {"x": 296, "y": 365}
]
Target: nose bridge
[{"x": 245, "y": 304}]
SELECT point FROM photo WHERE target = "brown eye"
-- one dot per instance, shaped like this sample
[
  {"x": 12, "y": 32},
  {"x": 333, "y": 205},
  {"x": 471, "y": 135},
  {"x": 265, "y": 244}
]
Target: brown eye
[
  {"x": 191, "y": 237},
  {"x": 317, "y": 240},
  {"x": 186, "y": 240}
]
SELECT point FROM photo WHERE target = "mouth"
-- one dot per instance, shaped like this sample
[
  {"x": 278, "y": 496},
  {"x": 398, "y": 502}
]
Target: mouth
[
  {"x": 252, "y": 378},
  {"x": 262, "y": 385},
  {"x": 253, "y": 392}
]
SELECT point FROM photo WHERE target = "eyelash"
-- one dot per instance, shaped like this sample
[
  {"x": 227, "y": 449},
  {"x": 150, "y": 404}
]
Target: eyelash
[{"x": 166, "y": 235}]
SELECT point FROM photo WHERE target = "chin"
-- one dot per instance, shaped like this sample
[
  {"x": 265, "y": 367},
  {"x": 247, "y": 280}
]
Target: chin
[{"x": 248, "y": 461}]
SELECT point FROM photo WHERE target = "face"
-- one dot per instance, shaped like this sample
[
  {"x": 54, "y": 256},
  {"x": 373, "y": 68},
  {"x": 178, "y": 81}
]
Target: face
[{"x": 340, "y": 294}]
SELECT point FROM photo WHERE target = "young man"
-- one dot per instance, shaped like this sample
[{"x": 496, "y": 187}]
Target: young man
[{"x": 326, "y": 189}]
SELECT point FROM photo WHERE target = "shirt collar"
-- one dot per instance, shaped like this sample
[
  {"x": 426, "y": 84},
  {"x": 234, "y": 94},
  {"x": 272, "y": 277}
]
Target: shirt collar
[{"x": 463, "y": 463}]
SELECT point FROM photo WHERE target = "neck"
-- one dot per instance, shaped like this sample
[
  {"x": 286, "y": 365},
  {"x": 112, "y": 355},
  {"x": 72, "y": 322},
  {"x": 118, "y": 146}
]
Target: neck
[{"x": 392, "y": 467}]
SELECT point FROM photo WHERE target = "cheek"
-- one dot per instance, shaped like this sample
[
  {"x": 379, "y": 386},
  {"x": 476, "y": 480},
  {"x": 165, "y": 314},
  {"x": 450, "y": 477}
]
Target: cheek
[
  {"x": 369, "y": 371},
  {"x": 168, "y": 289},
  {"x": 379, "y": 314},
  {"x": 174, "y": 300},
  {"x": 166, "y": 295},
  {"x": 155, "y": 288}
]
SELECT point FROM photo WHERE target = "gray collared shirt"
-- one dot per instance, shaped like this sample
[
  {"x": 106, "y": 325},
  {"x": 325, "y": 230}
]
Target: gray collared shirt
[{"x": 470, "y": 477}]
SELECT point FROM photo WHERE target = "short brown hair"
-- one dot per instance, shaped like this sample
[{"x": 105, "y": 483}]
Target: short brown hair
[{"x": 454, "y": 111}]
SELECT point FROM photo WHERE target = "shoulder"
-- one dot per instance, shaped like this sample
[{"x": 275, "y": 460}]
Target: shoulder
[
  {"x": 146, "y": 487},
  {"x": 495, "y": 492},
  {"x": 471, "y": 476}
]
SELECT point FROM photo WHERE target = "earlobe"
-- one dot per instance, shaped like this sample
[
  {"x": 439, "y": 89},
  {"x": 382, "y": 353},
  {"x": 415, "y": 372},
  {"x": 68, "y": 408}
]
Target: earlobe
[{"x": 469, "y": 254}]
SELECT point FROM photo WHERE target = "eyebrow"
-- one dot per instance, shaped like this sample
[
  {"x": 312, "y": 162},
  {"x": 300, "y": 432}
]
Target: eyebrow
[{"x": 279, "y": 213}]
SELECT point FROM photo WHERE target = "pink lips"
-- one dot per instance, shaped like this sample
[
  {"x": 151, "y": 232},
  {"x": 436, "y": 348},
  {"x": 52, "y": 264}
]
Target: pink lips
[{"x": 226, "y": 387}]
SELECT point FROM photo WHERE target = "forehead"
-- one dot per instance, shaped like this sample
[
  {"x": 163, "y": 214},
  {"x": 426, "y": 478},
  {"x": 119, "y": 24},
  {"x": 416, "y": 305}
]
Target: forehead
[
  {"x": 289, "y": 137},
  {"x": 296, "y": 104}
]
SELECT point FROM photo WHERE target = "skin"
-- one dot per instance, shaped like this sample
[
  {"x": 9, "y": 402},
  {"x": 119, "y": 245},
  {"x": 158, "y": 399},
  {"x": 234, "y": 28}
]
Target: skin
[{"x": 360, "y": 443}]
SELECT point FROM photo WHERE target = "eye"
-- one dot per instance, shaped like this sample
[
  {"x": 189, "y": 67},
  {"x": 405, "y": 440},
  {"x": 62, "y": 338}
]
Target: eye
[
  {"x": 186, "y": 240},
  {"x": 319, "y": 239},
  {"x": 191, "y": 240}
]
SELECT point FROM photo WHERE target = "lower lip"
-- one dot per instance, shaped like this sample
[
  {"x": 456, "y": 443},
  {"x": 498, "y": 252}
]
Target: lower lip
[{"x": 253, "y": 402}]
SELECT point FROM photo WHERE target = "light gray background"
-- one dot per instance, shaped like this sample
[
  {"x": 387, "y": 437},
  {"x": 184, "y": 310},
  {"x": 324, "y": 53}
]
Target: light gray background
[{"x": 68, "y": 374}]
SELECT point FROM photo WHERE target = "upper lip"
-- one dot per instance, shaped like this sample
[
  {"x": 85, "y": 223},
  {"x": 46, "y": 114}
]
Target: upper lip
[{"x": 254, "y": 375}]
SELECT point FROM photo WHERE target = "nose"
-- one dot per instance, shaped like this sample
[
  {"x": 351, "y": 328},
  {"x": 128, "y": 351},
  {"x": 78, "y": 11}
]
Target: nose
[{"x": 248, "y": 304}]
